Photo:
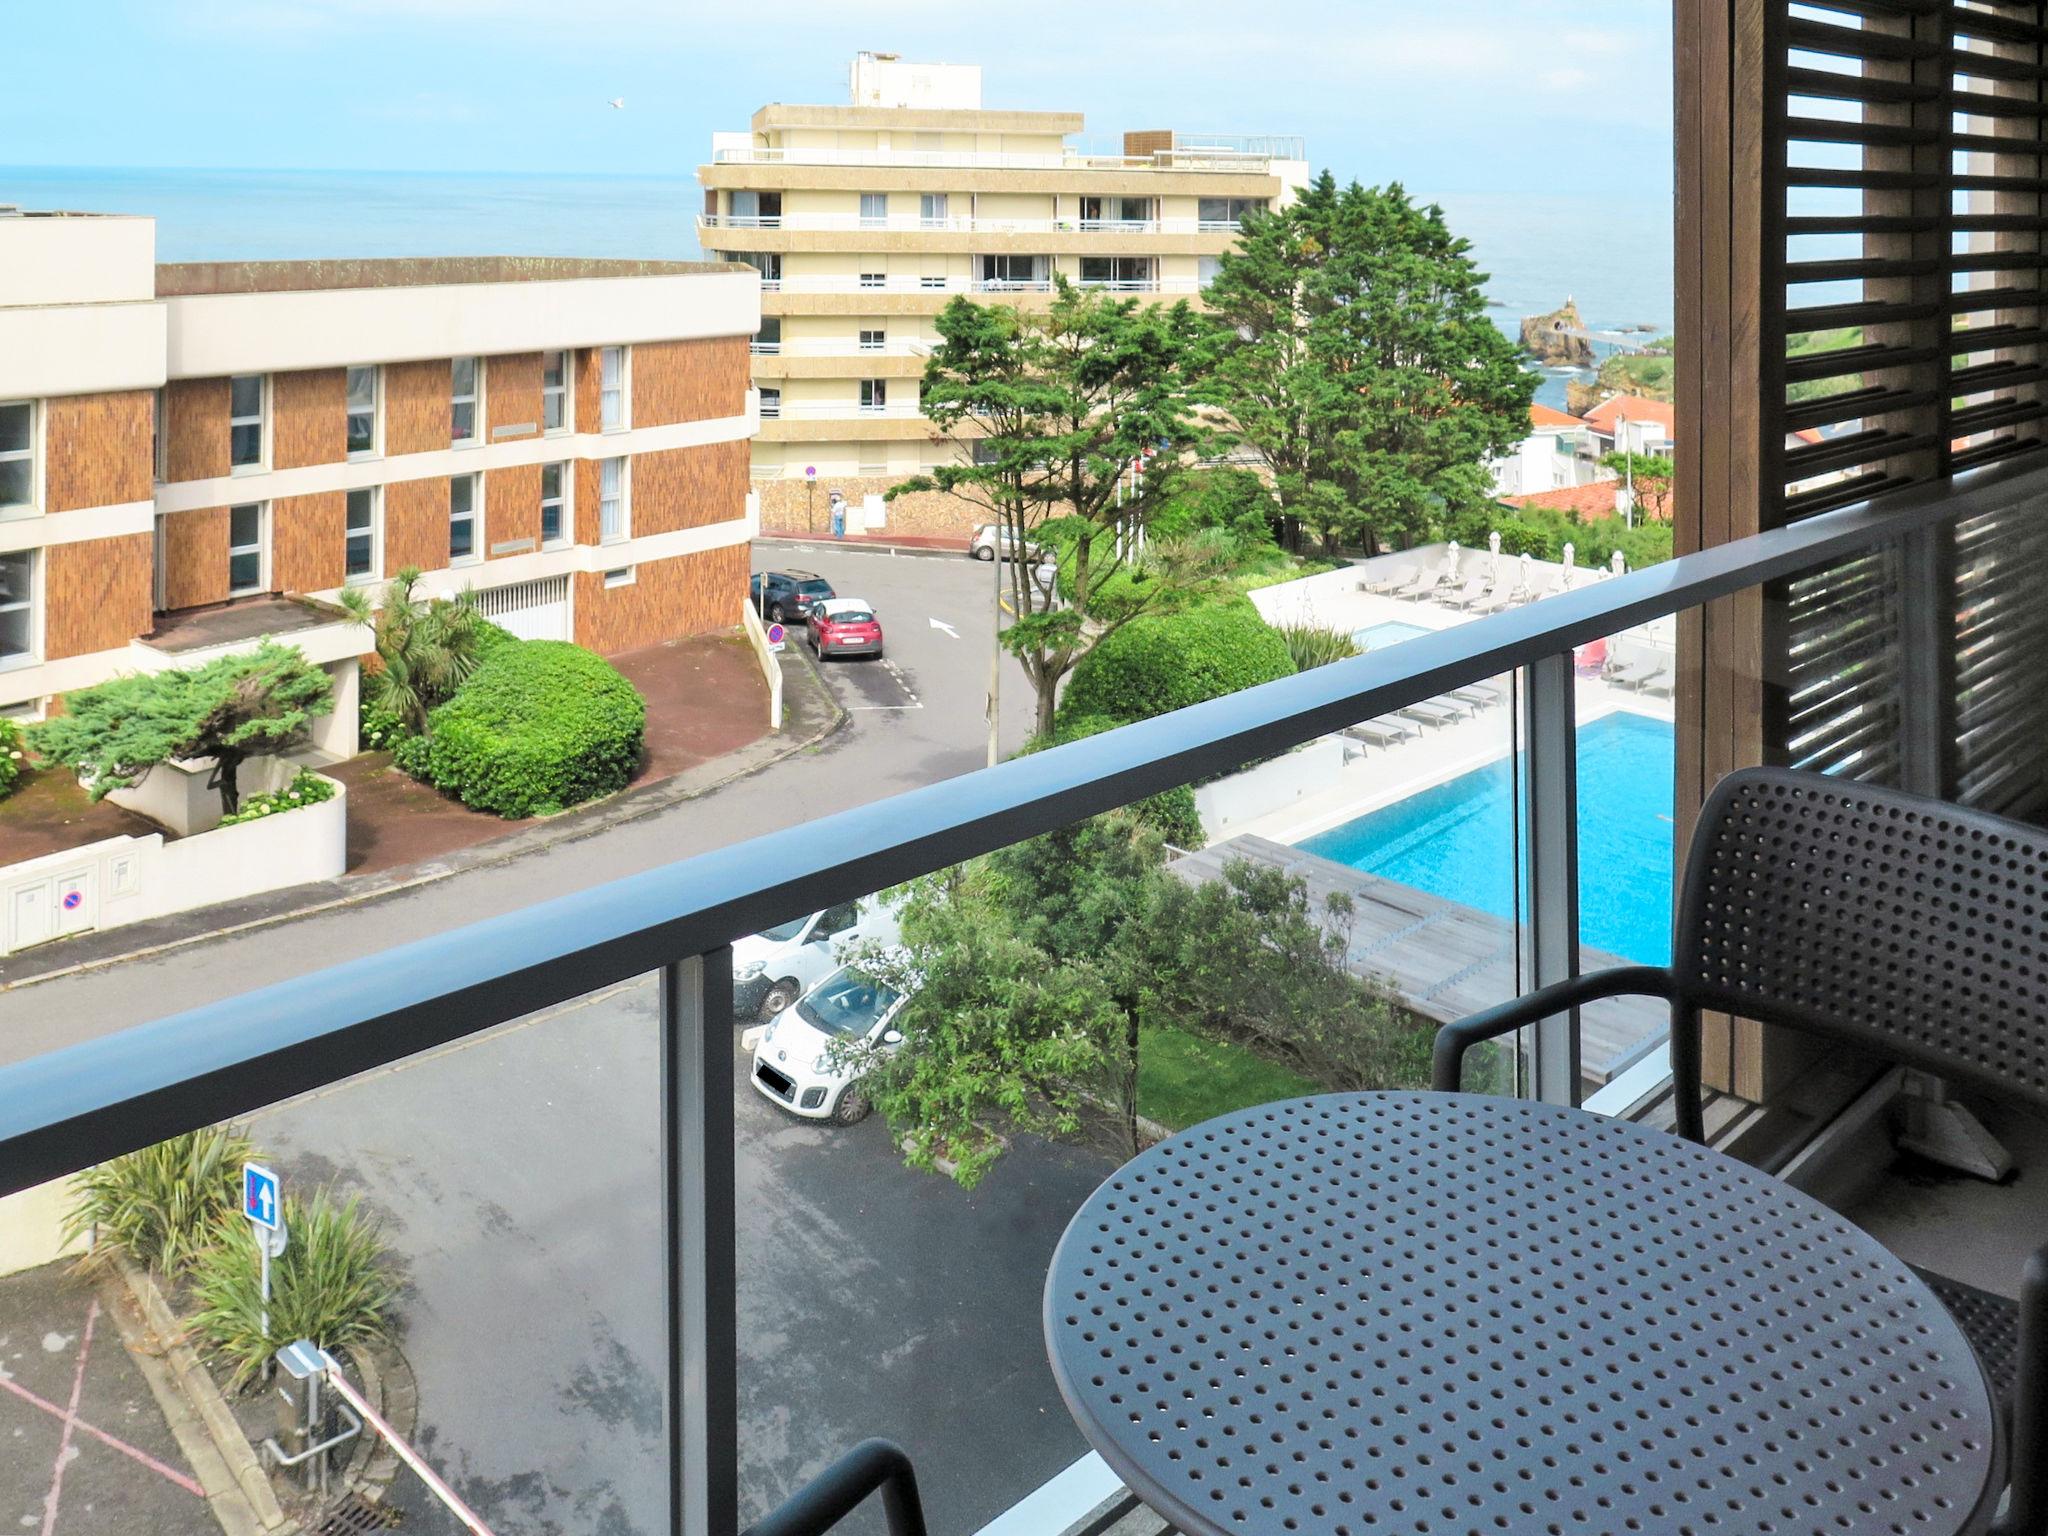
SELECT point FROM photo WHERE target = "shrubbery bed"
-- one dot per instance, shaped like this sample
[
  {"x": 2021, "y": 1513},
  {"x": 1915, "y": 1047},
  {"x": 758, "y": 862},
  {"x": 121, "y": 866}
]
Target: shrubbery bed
[{"x": 539, "y": 726}]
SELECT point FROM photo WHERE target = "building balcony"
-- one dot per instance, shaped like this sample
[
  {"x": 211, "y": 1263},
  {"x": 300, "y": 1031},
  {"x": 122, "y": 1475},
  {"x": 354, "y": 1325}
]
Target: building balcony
[
  {"x": 853, "y": 223},
  {"x": 1223, "y": 160},
  {"x": 956, "y": 285},
  {"x": 836, "y": 347},
  {"x": 553, "y": 1107}
]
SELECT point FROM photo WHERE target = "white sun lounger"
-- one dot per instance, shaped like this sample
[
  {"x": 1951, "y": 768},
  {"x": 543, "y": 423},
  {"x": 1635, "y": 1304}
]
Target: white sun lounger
[
  {"x": 1422, "y": 585},
  {"x": 1402, "y": 575},
  {"x": 1465, "y": 596},
  {"x": 1383, "y": 732},
  {"x": 1438, "y": 712},
  {"x": 1634, "y": 674},
  {"x": 1502, "y": 596}
]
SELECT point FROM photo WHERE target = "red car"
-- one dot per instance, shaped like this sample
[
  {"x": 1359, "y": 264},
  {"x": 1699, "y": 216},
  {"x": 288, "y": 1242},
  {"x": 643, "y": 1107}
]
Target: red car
[{"x": 844, "y": 626}]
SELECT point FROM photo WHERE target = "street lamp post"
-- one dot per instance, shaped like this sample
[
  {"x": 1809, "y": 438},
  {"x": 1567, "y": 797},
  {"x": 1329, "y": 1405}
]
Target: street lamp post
[{"x": 995, "y": 653}]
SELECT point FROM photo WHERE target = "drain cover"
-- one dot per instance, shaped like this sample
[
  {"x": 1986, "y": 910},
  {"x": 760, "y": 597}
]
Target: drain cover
[{"x": 352, "y": 1515}]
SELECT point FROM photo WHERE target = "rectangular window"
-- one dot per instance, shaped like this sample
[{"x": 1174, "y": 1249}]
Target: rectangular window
[
  {"x": 359, "y": 543},
  {"x": 874, "y": 209},
  {"x": 1014, "y": 271},
  {"x": 1127, "y": 272},
  {"x": 931, "y": 209},
  {"x": 611, "y": 388},
  {"x": 874, "y": 341},
  {"x": 245, "y": 422},
  {"x": 17, "y": 456},
  {"x": 362, "y": 412},
  {"x": 767, "y": 263},
  {"x": 622, "y": 577},
  {"x": 768, "y": 340},
  {"x": 466, "y": 383},
  {"x": 245, "y": 549},
  {"x": 1209, "y": 267},
  {"x": 771, "y": 403},
  {"x": 463, "y": 541},
  {"x": 872, "y": 280},
  {"x": 160, "y": 428},
  {"x": 874, "y": 395},
  {"x": 756, "y": 210},
  {"x": 614, "y": 519},
  {"x": 554, "y": 391},
  {"x": 17, "y": 607},
  {"x": 931, "y": 282},
  {"x": 554, "y": 502},
  {"x": 1226, "y": 212}
]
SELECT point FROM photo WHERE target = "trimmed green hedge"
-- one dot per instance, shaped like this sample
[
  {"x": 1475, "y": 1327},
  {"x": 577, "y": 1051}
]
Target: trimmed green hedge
[
  {"x": 13, "y": 756},
  {"x": 539, "y": 726},
  {"x": 1168, "y": 661}
]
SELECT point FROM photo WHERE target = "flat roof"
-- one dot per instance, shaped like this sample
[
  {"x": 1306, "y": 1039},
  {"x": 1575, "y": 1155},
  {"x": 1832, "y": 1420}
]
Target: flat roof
[
  {"x": 185, "y": 278},
  {"x": 778, "y": 114}
]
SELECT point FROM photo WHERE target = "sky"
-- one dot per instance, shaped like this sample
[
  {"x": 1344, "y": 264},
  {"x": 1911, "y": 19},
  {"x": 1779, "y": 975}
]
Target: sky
[{"x": 1456, "y": 95}]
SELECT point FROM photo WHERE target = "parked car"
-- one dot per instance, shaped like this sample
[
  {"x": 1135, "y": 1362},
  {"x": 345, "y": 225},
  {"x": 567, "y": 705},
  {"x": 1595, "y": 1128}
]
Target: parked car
[
  {"x": 773, "y": 968},
  {"x": 800, "y": 1059},
  {"x": 788, "y": 595},
  {"x": 844, "y": 626},
  {"x": 988, "y": 536}
]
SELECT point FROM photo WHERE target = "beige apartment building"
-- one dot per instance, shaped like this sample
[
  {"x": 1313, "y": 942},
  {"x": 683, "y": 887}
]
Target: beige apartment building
[{"x": 865, "y": 220}]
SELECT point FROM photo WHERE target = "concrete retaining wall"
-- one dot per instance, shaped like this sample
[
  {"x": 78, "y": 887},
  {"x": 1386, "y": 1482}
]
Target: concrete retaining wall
[
  {"x": 1228, "y": 803},
  {"x": 121, "y": 880},
  {"x": 771, "y": 665}
]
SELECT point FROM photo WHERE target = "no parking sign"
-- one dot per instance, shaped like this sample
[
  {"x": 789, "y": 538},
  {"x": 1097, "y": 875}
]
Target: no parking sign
[{"x": 776, "y": 635}]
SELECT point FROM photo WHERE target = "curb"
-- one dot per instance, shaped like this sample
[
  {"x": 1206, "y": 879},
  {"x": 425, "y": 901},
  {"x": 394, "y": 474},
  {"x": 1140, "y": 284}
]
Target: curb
[
  {"x": 629, "y": 806},
  {"x": 237, "y": 1489},
  {"x": 868, "y": 546}
]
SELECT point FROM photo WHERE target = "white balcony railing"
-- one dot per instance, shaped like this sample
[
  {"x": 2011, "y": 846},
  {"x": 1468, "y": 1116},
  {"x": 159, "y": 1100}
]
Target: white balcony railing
[
  {"x": 840, "y": 410},
  {"x": 849, "y": 223},
  {"x": 891, "y": 284},
  {"x": 835, "y": 347},
  {"x": 1204, "y": 159}
]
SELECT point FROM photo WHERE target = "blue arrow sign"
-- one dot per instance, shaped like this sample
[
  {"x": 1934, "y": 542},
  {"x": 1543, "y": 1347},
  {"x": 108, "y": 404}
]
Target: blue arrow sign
[{"x": 262, "y": 1201}]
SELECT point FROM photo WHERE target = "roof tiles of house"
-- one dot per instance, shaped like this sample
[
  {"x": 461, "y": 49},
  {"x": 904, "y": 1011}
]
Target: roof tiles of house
[
  {"x": 1544, "y": 416},
  {"x": 1634, "y": 408},
  {"x": 1595, "y": 500}
]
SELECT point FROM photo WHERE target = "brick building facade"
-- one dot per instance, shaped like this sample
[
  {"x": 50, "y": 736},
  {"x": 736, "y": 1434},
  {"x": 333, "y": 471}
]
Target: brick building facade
[{"x": 193, "y": 457}]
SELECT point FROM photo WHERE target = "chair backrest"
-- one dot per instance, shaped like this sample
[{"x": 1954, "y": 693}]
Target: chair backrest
[{"x": 1906, "y": 925}]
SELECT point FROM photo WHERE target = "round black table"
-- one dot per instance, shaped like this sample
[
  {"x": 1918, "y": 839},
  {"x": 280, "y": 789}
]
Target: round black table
[{"x": 1446, "y": 1313}]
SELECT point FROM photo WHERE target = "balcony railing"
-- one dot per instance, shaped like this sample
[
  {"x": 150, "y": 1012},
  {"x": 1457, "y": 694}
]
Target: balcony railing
[
  {"x": 843, "y": 410},
  {"x": 893, "y": 284},
  {"x": 835, "y": 223},
  {"x": 833, "y": 347},
  {"x": 1218, "y": 160},
  {"x": 79, "y": 1105}
]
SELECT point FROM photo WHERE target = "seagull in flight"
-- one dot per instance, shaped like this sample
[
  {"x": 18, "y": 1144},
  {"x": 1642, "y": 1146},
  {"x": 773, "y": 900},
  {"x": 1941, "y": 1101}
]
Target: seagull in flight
[{"x": 617, "y": 102}]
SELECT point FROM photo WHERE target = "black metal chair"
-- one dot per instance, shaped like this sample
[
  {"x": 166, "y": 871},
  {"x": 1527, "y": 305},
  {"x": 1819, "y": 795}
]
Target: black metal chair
[
  {"x": 842, "y": 1487},
  {"x": 1904, "y": 925}
]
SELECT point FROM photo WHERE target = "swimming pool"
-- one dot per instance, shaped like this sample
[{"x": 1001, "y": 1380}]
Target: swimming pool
[
  {"x": 1376, "y": 637},
  {"x": 1456, "y": 841}
]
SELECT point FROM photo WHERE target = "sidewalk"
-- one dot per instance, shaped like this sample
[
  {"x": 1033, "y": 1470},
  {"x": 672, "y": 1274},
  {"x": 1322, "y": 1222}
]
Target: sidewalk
[
  {"x": 88, "y": 1451},
  {"x": 901, "y": 543}
]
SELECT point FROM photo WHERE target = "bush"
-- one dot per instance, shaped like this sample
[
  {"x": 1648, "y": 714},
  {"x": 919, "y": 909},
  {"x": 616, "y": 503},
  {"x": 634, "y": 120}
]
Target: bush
[
  {"x": 305, "y": 789},
  {"x": 1233, "y": 501},
  {"x": 160, "y": 1206},
  {"x": 539, "y": 726},
  {"x": 329, "y": 1285},
  {"x": 379, "y": 728},
  {"x": 13, "y": 756},
  {"x": 1171, "y": 812},
  {"x": 1164, "y": 662},
  {"x": 1314, "y": 645}
]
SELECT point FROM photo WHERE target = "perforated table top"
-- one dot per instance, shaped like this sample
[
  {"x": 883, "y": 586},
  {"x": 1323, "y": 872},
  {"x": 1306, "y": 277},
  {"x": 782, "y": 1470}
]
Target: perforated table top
[{"x": 1444, "y": 1313}]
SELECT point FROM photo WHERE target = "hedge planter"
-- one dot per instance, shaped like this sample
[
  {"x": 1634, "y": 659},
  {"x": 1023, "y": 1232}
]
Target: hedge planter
[
  {"x": 538, "y": 727},
  {"x": 1165, "y": 662}
]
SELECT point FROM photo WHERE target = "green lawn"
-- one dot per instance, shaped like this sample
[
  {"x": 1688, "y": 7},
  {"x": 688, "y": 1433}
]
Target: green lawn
[{"x": 1184, "y": 1079}]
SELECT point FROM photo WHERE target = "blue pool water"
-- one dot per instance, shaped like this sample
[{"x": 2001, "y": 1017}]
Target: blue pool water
[
  {"x": 1456, "y": 840},
  {"x": 1376, "y": 637}
]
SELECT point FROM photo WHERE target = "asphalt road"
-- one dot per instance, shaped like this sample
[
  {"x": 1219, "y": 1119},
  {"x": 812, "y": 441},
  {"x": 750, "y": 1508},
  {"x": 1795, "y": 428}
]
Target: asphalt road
[
  {"x": 518, "y": 1178},
  {"x": 915, "y": 718}
]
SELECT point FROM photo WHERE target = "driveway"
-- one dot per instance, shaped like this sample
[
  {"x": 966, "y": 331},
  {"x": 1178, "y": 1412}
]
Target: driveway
[
  {"x": 913, "y": 720},
  {"x": 518, "y": 1175}
]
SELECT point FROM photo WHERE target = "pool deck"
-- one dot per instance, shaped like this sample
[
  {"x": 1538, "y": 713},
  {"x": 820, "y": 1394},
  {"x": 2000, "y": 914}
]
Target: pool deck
[{"x": 1445, "y": 960}]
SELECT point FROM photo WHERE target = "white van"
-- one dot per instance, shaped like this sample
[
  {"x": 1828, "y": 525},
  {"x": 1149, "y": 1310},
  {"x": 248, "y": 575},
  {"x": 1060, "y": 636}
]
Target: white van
[{"x": 773, "y": 968}]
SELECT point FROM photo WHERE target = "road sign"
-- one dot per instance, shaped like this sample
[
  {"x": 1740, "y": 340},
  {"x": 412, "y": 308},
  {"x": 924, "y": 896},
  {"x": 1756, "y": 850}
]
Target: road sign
[
  {"x": 776, "y": 635},
  {"x": 810, "y": 471},
  {"x": 262, "y": 1202}
]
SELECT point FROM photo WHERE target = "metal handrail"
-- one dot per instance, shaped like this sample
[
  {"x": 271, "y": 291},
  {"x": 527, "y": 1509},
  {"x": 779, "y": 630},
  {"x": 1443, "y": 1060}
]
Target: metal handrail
[
  {"x": 72, "y": 1107},
  {"x": 836, "y": 1492}
]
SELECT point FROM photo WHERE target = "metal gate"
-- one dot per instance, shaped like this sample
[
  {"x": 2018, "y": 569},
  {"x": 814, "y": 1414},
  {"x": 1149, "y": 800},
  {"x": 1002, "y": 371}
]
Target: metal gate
[{"x": 532, "y": 610}]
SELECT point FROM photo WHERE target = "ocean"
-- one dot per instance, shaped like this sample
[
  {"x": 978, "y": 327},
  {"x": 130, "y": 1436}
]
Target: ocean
[{"x": 1612, "y": 254}]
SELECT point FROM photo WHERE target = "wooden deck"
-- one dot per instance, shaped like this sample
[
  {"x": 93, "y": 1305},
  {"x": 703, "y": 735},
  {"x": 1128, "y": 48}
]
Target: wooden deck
[{"x": 1444, "y": 960}]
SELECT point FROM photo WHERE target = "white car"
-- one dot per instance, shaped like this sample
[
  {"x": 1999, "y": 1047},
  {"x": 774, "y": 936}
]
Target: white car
[
  {"x": 988, "y": 536},
  {"x": 797, "y": 1058},
  {"x": 773, "y": 968}
]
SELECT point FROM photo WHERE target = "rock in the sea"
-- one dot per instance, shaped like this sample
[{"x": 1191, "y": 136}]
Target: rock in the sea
[{"x": 1558, "y": 339}]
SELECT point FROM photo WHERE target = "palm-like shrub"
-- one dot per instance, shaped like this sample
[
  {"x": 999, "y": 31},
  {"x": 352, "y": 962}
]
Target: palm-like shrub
[
  {"x": 162, "y": 1205},
  {"x": 1314, "y": 645},
  {"x": 330, "y": 1285},
  {"x": 426, "y": 647}
]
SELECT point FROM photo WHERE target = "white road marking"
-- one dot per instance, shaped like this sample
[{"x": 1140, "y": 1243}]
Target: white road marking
[
  {"x": 909, "y": 693},
  {"x": 949, "y": 629}
]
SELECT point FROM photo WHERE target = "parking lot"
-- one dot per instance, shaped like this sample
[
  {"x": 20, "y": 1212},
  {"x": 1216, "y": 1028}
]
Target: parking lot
[{"x": 519, "y": 1180}]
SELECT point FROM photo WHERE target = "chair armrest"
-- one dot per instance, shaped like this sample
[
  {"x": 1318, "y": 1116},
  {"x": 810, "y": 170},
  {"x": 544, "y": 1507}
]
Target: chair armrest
[
  {"x": 1454, "y": 1040},
  {"x": 2026, "y": 1512},
  {"x": 837, "y": 1491}
]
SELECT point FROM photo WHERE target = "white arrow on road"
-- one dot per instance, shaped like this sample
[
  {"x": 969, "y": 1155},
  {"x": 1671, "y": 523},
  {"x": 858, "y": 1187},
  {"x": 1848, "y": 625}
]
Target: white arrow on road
[{"x": 949, "y": 629}]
